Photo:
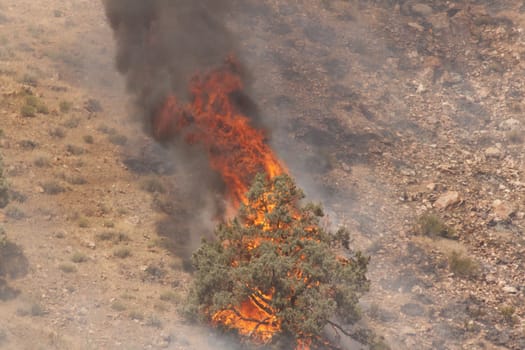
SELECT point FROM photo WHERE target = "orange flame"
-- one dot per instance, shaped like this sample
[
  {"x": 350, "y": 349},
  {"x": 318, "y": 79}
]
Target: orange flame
[{"x": 237, "y": 151}]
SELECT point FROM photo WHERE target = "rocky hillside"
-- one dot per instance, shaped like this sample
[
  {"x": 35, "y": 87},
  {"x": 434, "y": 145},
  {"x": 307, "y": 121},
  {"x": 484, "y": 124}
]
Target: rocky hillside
[{"x": 405, "y": 118}]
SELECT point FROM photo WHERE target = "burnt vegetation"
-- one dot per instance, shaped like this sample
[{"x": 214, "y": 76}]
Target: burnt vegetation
[{"x": 275, "y": 273}]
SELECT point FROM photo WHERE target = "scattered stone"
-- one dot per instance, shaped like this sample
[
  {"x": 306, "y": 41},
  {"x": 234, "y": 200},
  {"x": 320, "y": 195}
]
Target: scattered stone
[
  {"x": 407, "y": 171},
  {"x": 502, "y": 210},
  {"x": 431, "y": 187},
  {"x": 422, "y": 9},
  {"x": 510, "y": 290},
  {"x": 447, "y": 199},
  {"x": 490, "y": 278},
  {"x": 509, "y": 124},
  {"x": 493, "y": 152},
  {"x": 416, "y": 26},
  {"x": 407, "y": 330}
]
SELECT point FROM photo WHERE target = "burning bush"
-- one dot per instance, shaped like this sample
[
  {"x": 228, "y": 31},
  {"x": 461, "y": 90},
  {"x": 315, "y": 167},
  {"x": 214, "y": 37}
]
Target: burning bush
[{"x": 274, "y": 271}]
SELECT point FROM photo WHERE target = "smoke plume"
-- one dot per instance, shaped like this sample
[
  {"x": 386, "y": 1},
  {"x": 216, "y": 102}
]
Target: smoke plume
[
  {"x": 161, "y": 46},
  {"x": 162, "y": 43}
]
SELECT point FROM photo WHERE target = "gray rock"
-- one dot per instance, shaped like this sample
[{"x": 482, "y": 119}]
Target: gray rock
[
  {"x": 509, "y": 124},
  {"x": 510, "y": 290},
  {"x": 502, "y": 210},
  {"x": 493, "y": 152},
  {"x": 422, "y": 9},
  {"x": 447, "y": 199}
]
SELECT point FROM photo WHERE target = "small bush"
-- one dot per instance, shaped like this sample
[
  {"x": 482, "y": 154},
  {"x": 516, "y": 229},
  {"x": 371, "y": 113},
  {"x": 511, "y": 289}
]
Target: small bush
[
  {"x": 28, "y": 144},
  {"x": 4, "y": 188},
  {"x": 53, "y": 188},
  {"x": 42, "y": 109},
  {"x": 155, "y": 272},
  {"x": 118, "y": 306},
  {"x": 515, "y": 136},
  {"x": 72, "y": 123},
  {"x": 136, "y": 315},
  {"x": 15, "y": 213},
  {"x": 37, "y": 310},
  {"x": 93, "y": 106},
  {"x": 171, "y": 297},
  {"x": 28, "y": 111},
  {"x": 154, "y": 321},
  {"x": 76, "y": 180},
  {"x": 79, "y": 257},
  {"x": 42, "y": 162},
  {"x": 431, "y": 225},
  {"x": 117, "y": 139},
  {"x": 30, "y": 80},
  {"x": 75, "y": 150},
  {"x": 106, "y": 130},
  {"x": 508, "y": 311},
  {"x": 67, "y": 268},
  {"x": 462, "y": 266},
  {"x": 88, "y": 139},
  {"x": 153, "y": 185},
  {"x": 83, "y": 222},
  {"x": 37, "y": 104},
  {"x": 17, "y": 196},
  {"x": 65, "y": 106},
  {"x": 115, "y": 237},
  {"x": 57, "y": 133},
  {"x": 122, "y": 253}
]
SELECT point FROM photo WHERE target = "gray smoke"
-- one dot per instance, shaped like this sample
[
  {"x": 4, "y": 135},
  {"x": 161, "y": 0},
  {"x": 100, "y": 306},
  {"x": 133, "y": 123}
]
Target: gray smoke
[{"x": 162, "y": 43}]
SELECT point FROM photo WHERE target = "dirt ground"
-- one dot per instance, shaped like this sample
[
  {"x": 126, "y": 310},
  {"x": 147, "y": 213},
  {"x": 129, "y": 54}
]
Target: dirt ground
[{"x": 399, "y": 116}]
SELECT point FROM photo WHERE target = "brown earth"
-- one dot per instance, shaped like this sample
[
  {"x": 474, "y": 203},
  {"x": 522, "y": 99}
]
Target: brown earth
[{"x": 383, "y": 110}]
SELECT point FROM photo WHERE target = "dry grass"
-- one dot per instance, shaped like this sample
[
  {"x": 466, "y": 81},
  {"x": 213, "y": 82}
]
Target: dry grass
[
  {"x": 433, "y": 226},
  {"x": 462, "y": 266},
  {"x": 52, "y": 188},
  {"x": 67, "y": 268},
  {"x": 79, "y": 257},
  {"x": 122, "y": 253}
]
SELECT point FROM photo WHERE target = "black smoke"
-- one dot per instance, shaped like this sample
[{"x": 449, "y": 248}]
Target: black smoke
[{"x": 161, "y": 44}]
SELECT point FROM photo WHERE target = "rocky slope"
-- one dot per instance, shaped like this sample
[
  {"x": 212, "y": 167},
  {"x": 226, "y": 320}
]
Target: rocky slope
[{"x": 404, "y": 118}]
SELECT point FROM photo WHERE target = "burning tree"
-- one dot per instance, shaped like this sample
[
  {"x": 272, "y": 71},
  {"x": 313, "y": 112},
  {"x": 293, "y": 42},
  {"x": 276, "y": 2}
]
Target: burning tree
[{"x": 275, "y": 271}]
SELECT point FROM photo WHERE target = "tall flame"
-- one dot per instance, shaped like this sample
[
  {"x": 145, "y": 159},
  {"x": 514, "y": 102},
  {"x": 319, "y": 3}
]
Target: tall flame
[{"x": 237, "y": 151}]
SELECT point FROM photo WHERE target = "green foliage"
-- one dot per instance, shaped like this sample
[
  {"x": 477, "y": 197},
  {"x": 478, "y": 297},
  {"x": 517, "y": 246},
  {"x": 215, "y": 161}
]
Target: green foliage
[
  {"x": 36, "y": 104},
  {"x": 431, "y": 225},
  {"x": 277, "y": 247}
]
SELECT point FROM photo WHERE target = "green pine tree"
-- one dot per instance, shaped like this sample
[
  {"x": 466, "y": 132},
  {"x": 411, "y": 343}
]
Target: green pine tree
[{"x": 276, "y": 255}]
